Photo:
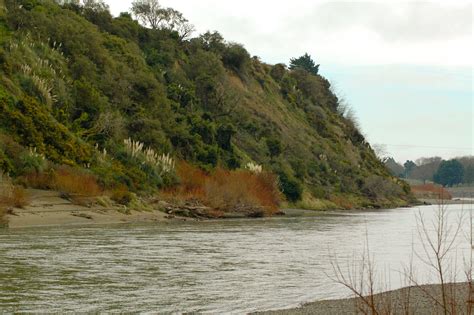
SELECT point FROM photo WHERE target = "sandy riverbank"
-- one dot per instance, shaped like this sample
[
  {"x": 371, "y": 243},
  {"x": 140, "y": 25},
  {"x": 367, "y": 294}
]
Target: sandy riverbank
[
  {"x": 392, "y": 302},
  {"x": 51, "y": 208},
  {"x": 48, "y": 208}
]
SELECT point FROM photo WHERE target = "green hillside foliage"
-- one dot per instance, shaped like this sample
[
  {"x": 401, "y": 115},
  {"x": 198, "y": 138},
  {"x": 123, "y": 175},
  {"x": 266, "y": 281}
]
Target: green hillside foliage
[{"x": 75, "y": 82}]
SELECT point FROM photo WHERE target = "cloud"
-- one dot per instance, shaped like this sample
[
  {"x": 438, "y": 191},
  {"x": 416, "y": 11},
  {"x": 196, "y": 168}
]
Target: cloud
[
  {"x": 356, "y": 32},
  {"x": 404, "y": 22},
  {"x": 343, "y": 32},
  {"x": 405, "y": 66}
]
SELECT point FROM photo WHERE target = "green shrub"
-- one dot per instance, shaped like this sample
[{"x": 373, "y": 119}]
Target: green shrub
[
  {"x": 274, "y": 147},
  {"x": 71, "y": 84},
  {"x": 224, "y": 136},
  {"x": 122, "y": 195},
  {"x": 34, "y": 126},
  {"x": 32, "y": 161},
  {"x": 377, "y": 187},
  {"x": 278, "y": 71},
  {"x": 204, "y": 64},
  {"x": 291, "y": 188},
  {"x": 211, "y": 42},
  {"x": 236, "y": 57}
]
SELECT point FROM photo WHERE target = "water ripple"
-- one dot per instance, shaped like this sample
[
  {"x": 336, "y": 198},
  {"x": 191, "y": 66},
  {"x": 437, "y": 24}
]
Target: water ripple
[{"x": 208, "y": 267}]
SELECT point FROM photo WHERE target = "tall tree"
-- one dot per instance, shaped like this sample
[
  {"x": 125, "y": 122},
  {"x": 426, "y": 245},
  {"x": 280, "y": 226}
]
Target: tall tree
[
  {"x": 149, "y": 12},
  {"x": 409, "y": 167},
  {"x": 174, "y": 20},
  {"x": 96, "y": 5},
  {"x": 426, "y": 168},
  {"x": 152, "y": 14},
  {"x": 469, "y": 174},
  {"x": 468, "y": 164},
  {"x": 212, "y": 42},
  {"x": 304, "y": 62},
  {"x": 449, "y": 173}
]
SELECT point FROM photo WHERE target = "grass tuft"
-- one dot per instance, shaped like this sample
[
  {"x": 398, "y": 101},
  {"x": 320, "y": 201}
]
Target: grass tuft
[{"x": 11, "y": 196}]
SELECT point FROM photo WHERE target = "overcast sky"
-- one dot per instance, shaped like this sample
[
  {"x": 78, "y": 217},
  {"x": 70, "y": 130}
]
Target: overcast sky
[{"x": 405, "y": 67}]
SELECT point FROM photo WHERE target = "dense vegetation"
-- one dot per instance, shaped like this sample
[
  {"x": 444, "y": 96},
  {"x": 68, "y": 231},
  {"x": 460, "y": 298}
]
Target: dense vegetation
[
  {"x": 76, "y": 82},
  {"x": 435, "y": 169}
]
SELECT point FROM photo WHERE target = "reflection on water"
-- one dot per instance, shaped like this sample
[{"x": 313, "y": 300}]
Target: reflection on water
[{"x": 222, "y": 266}]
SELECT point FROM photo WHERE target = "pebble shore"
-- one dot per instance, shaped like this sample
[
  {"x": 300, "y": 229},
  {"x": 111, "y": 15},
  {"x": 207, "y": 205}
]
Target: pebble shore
[{"x": 412, "y": 300}]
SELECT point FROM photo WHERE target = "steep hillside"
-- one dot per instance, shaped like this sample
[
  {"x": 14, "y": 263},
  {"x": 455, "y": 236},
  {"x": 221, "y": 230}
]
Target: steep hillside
[{"x": 76, "y": 82}]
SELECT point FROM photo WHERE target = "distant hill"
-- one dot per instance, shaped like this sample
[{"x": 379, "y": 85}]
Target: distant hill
[{"x": 76, "y": 82}]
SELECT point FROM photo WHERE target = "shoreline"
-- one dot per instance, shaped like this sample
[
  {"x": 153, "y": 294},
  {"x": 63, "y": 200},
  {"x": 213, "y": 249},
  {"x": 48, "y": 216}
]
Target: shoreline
[
  {"x": 416, "y": 299},
  {"x": 454, "y": 201},
  {"x": 51, "y": 208},
  {"x": 96, "y": 216}
]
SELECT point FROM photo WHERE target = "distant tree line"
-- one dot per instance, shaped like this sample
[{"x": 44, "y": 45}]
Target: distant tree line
[{"x": 447, "y": 173}]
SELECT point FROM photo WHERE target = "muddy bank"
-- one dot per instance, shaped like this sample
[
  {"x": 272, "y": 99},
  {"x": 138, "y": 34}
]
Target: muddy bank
[{"x": 415, "y": 300}]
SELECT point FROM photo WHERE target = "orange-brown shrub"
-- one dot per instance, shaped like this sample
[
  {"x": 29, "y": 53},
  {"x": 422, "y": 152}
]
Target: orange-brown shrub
[
  {"x": 431, "y": 191},
  {"x": 192, "y": 182},
  {"x": 225, "y": 190},
  {"x": 235, "y": 189},
  {"x": 65, "y": 179},
  {"x": 192, "y": 179},
  {"x": 69, "y": 180}
]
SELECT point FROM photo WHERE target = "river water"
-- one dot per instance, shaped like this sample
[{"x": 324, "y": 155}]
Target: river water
[{"x": 233, "y": 266}]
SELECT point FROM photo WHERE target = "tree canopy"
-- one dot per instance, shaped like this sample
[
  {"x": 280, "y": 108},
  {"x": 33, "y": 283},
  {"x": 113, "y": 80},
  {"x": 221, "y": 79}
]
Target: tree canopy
[
  {"x": 409, "y": 167},
  {"x": 449, "y": 173},
  {"x": 149, "y": 12},
  {"x": 152, "y": 14},
  {"x": 304, "y": 62}
]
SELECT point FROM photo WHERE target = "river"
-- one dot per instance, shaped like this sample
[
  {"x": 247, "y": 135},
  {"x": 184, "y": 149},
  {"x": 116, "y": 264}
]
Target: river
[{"x": 233, "y": 266}]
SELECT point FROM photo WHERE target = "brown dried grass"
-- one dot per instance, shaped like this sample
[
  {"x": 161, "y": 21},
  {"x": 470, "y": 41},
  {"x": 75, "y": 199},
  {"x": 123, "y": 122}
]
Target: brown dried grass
[
  {"x": 342, "y": 202},
  {"x": 64, "y": 179},
  {"x": 37, "y": 180},
  {"x": 69, "y": 180},
  {"x": 431, "y": 191},
  {"x": 11, "y": 196}
]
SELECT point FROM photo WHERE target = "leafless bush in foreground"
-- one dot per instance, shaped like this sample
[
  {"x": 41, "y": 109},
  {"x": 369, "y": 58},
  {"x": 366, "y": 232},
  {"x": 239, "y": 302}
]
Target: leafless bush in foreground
[{"x": 439, "y": 238}]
